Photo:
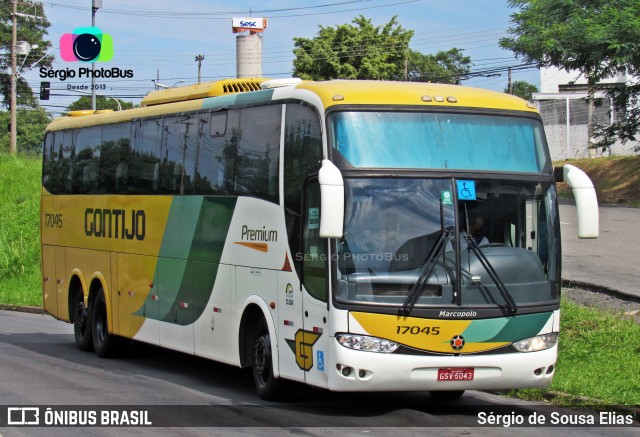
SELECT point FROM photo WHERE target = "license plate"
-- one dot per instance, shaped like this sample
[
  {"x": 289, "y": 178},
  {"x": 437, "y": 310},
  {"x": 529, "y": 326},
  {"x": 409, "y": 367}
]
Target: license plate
[{"x": 456, "y": 374}]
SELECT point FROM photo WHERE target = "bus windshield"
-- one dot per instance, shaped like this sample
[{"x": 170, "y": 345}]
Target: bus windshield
[
  {"x": 437, "y": 140},
  {"x": 394, "y": 228}
]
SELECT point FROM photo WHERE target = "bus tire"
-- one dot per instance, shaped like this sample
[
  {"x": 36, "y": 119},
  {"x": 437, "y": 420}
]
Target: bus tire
[
  {"x": 448, "y": 395},
  {"x": 82, "y": 324},
  {"x": 267, "y": 385},
  {"x": 104, "y": 344}
]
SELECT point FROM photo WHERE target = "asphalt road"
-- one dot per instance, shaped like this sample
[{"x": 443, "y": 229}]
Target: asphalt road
[
  {"x": 611, "y": 261},
  {"x": 39, "y": 365}
]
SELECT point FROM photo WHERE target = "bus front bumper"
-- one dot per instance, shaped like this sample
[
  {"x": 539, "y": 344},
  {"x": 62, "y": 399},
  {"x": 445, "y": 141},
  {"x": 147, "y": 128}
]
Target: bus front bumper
[{"x": 368, "y": 371}]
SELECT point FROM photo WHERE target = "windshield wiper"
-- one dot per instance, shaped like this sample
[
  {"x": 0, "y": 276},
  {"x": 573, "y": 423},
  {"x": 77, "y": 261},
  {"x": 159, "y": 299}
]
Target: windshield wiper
[
  {"x": 513, "y": 307},
  {"x": 425, "y": 272}
]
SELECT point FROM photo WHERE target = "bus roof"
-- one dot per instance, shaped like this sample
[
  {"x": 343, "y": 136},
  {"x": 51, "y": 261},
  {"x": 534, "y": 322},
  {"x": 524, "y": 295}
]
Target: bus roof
[
  {"x": 366, "y": 92},
  {"x": 331, "y": 93}
]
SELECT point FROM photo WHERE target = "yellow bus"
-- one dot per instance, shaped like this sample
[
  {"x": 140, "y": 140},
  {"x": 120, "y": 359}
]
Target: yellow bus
[{"x": 350, "y": 235}]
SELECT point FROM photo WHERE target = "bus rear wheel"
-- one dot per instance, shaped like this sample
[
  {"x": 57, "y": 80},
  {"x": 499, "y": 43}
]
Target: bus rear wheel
[
  {"x": 82, "y": 324},
  {"x": 267, "y": 385},
  {"x": 105, "y": 344}
]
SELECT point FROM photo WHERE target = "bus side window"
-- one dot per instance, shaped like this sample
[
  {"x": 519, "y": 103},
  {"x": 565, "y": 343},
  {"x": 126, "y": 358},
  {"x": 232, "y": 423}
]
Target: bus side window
[
  {"x": 114, "y": 158},
  {"x": 59, "y": 161},
  {"x": 67, "y": 153},
  {"x": 258, "y": 152},
  {"x": 84, "y": 178},
  {"x": 314, "y": 267},
  {"x": 210, "y": 167},
  {"x": 145, "y": 158},
  {"x": 179, "y": 151},
  {"x": 302, "y": 153},
  {"x": 47, "y": 160}
]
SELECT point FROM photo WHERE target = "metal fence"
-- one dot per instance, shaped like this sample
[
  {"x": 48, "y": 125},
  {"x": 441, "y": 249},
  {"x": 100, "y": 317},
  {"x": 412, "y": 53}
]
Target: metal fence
[{"x": 565, "y": 121}]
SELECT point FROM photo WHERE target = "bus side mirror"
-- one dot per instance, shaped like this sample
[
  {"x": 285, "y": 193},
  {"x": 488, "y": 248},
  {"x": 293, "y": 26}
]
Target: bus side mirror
[
  {"x": 331, "y": 200},
  {"x": 586, "y": 201}
]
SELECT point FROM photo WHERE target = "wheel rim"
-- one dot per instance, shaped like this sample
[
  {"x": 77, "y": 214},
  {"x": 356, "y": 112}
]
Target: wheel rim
[{"x": 261, "y": 359}]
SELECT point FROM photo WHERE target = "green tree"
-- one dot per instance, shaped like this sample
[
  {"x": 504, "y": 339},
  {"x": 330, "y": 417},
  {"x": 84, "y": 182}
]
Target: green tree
[
  {"x": 364, "y": 51},
  {"x": 596, "y": 37},
  {"x": 31, "y": 30},
  {"x": 31, "y": 126},
  {"x": 443, "y": 67},
  {"x": 359, "y": 51},
  {"x": 102, "y": 102},
  {"x": 522, "y": 89}
]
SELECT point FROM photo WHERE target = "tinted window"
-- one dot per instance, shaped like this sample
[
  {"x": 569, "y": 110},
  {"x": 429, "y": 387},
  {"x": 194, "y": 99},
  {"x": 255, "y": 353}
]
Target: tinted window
[
  {"x": 314, "y": 247},
  {"x": 47, "y": 160},
  {"x": 145, "y": 158},
  {"x": 57, "y": 169},
  {"x": 229, "y": 152},
  {"x": 255, "y": 135},
  {"x": 302, "y": 153},
  {"x": 86, "y": 160},
  {"x": 114, "y": 158},
  {"x": 64, "y": 143},
  {"x": 215, "y": 172},
  {"x": 179, "y": 151}
]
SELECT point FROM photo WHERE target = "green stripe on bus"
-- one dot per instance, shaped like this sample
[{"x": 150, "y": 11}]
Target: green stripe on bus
[
  {"x": 241, "y": 99},
  {"x": 191, "y": 250},
  {"x": 482, "y": 330},
  {"x": 505, "y": 329},
  {"x": 521, "y": 327}
]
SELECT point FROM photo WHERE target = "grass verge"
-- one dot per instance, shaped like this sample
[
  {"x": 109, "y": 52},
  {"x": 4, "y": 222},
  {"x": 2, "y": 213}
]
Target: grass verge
[
  {"x": 20, "y": 230},
  {"x": 616, "y": 178},
  {"x": 597, "y": 359}
]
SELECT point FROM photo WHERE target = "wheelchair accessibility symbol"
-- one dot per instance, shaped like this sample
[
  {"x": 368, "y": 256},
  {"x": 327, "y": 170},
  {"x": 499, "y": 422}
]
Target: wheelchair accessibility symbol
[{"x": 466, "y": 190}]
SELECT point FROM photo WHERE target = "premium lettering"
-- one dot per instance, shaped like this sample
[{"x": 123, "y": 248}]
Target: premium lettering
[
  {"x": 259, "y": 234},
  {"x": 115, "y": 223}
]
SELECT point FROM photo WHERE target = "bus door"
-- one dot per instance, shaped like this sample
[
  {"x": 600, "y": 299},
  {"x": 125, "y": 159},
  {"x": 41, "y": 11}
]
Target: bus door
[
  {"x": 289, "y": 320},
  {"x": 314, "y": 342}
]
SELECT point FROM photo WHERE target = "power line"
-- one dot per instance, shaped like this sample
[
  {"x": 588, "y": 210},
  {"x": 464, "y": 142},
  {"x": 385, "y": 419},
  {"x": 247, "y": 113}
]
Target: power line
[{"x": 226, "y": 15}]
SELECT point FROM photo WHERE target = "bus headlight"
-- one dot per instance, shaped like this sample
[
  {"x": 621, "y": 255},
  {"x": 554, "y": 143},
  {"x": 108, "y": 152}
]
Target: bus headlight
[
  {"x": 366, "y": 343},
  {"x": 537, "y": 343}
]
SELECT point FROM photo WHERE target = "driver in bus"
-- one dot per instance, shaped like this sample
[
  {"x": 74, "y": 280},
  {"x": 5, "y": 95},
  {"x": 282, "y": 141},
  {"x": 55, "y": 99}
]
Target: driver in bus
[
  {"x": 476, "y": 228},
  {"x": 476, "y": 231}
]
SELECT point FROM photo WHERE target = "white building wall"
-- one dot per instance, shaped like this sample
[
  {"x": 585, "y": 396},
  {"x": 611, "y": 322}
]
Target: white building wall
[
  {"x": 552, "y": 77},
  {"x": 565, "y": 115}
]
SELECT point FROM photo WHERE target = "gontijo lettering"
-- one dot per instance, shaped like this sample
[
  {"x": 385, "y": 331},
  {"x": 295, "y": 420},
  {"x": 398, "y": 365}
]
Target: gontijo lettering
[{"x": 115, "y": 223}]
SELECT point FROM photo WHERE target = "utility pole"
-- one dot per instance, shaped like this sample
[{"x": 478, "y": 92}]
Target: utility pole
[
  {"x": 509, "y": 83},
  {"x": 95, "y": 5},
  {"x": 406, "y": 68},
  {"x": 199, "y": 60},
  {"x": 14, "y": 75}
]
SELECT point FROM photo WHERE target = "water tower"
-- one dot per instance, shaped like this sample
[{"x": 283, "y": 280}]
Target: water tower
[{"x": 249, "y": 46}]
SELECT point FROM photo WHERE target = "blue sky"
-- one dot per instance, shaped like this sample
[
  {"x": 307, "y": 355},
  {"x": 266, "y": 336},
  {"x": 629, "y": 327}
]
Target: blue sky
[{"x": 166, "y": 35}]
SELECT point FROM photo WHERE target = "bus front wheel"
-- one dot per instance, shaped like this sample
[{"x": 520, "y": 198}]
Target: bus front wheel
[{"x": 267, "y": 385}]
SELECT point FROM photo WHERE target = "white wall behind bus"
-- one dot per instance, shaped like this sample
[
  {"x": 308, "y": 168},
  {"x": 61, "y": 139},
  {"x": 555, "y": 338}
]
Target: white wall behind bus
[{"x": 563, "y": 107}]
